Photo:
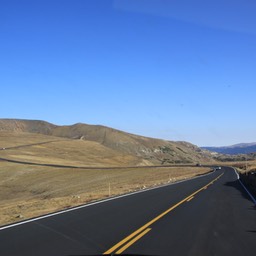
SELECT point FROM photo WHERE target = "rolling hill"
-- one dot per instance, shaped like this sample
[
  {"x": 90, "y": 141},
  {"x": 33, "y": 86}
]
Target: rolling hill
[{"x": 102, "y": 142}]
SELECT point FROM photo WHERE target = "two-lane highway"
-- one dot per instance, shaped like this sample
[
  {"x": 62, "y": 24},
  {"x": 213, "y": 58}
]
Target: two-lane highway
[{"x": 209, "y": 215}]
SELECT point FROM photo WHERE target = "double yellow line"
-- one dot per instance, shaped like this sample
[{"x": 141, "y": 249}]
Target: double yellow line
[{"x": 135, "y": 236}]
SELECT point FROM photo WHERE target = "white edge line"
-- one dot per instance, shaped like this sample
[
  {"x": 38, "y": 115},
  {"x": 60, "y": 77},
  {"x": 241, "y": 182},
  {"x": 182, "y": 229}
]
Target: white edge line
[
  {"x": 251, "y": 196},
  {"x": 98, "y": 202}
]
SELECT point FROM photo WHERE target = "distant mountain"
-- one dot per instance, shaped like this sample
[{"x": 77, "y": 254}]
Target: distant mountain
[
  {"x": 151, "y": 151},
  {"x": 242, "y": 148}
]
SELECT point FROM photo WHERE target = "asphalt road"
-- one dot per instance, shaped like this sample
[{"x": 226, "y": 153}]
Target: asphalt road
[{"x": 209, "y": 215}]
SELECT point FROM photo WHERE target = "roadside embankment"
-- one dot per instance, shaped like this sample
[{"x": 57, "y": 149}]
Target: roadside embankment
[
  {"x": 28, "y": 191},
  {"x": 247, "y": 174},
  {"x": 249, "y": 180}
]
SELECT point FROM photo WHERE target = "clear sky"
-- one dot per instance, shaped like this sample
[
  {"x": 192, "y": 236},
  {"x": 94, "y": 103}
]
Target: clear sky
[{"x": 171, "y": 69}]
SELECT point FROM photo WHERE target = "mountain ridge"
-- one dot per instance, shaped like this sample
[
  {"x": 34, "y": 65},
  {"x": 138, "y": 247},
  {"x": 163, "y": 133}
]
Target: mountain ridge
[
  {"x": 240, "y": 148},
  {"x": 151, "y": 150}
]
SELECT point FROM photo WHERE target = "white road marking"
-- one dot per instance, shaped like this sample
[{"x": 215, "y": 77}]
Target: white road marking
[
  {"x": 251, "y": 196},
  {"x": 97, "y": 202}
]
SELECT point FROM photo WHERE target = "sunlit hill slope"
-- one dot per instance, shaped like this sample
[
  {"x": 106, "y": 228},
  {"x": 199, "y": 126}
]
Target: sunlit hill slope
[{"x": 91, "y": 145}]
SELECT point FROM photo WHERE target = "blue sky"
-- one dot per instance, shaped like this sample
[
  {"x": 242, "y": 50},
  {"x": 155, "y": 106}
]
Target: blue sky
[{"x": 177, "y": 70}]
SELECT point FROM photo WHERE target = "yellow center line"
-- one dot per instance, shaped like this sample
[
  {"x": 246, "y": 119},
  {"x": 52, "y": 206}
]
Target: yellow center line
[
  {"x": 112, "y": 249},
  {"x": 133, "y": 241},
  {"x": 190, "y": 198}
]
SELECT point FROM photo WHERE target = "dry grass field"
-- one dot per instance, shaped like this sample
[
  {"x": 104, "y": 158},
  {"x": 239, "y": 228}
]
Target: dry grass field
[
  {"x": 242, "y": 166},
  {"x": 148, "y": 151},
  {"x": 45, "y": 149},
  {"x": 247, "y": 175},
  {"x": 28, "y": 191}
]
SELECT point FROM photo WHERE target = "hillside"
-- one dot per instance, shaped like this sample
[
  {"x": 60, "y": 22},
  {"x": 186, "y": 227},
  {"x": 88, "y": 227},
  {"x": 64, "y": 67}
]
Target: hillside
[
  {"x": 49, "y": 150},
  {"x": 242, "y": 148},
  {"x": 47, "y": 168},
  {"x": 138, "y": 149}
]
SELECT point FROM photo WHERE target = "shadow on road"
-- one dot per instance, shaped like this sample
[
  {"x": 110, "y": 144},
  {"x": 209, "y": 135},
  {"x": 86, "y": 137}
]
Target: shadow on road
[
  {"x": 236, "y": 184},
  {"x": 251, "y": 231}
]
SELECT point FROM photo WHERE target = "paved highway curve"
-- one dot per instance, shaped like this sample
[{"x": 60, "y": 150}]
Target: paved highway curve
[{"x": 209, "y": 215}]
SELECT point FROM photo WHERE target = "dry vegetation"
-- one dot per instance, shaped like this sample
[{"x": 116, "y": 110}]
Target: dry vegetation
[
  {"x": 45, "y": 149},
  {"x": 248, "y": 175},
  {"x": 29, "y": 191},
  {"x": 144, "y": 150},
  {"x": 247, "y": 171},
  {"x": 241, "y": 166}
]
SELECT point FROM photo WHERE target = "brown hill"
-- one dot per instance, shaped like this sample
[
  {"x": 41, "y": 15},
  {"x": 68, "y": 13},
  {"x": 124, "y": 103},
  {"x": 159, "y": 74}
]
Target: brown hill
[
  {"x": 149, "y": 150},
  {"x": 20, "y": 125}
]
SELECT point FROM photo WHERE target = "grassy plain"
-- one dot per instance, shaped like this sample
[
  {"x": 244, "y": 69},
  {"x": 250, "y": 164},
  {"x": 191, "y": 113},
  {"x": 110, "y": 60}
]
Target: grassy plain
[{"x": 28, "y": 191}]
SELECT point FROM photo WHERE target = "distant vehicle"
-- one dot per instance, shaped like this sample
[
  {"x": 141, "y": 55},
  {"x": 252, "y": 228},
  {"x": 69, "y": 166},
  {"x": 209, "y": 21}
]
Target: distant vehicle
[
  {"x": 218, "y": 168},
  {"x": 198, "y": 164}
]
